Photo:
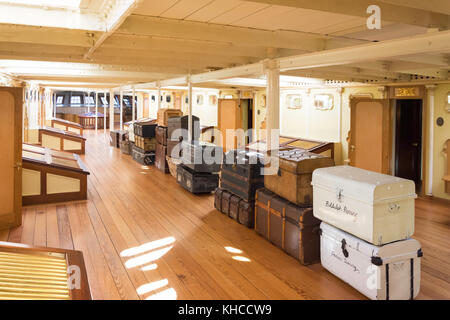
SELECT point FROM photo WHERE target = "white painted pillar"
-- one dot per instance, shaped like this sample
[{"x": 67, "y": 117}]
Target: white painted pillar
[
  {"x": 104, "y": 113},
  {"x": 340, "y": 91},
  {"x": 189, "y": 109},
  {"x": 88, "y": 105},
  {"x": 111, "y": 109},
  {"x": 121, "y": 109},
  {"x": 96, "y": 111},
  {"x": 134, "y": 105},
  {"x": 430, "y": 104},
  {"x": 54, "y": 104},
  {"x": 273, "y": 104},
  {"x": 158, "y": 99}
]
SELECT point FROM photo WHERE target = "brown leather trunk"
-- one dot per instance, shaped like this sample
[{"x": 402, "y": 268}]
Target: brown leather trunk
[
  {"x": 235, "y": 207},
  {"x": 293, "y": 181},
  {"x": 161, "y": 135},
  {"x": 292, "y": 228},
  {"x": 160, "y": 158},
  {"x": 164, "y": 115},
  {"x": 174, "y": 149}
]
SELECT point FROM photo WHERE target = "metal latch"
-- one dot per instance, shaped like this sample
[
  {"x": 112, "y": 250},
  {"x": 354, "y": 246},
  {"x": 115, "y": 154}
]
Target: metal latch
[
  {"x": 344, "y": 248},
  {"x": 339, "y": 192}
]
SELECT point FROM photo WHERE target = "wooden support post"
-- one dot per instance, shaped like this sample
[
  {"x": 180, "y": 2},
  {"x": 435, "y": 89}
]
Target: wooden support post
[
  {"x": 104, "y": 113},
  {"x": 158, "y": 99}
]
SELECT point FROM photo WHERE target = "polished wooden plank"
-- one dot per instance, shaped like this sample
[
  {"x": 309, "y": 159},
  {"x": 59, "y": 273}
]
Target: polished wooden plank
[{"x": 134, "y": 207}]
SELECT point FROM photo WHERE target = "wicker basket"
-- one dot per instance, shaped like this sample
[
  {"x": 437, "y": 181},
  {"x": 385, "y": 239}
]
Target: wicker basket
[{"x": 173, "y": 163}]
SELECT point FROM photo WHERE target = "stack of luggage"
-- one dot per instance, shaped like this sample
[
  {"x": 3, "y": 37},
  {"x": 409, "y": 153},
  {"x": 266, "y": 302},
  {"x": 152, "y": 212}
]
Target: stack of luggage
[
  {"x": 200, "y": 164},
  {"x": 283, "y": 213},
  {"x": 126, "y": 145},
  {"x": 116, "y": 137},
  {"x": 177, "y": 132},
  {"x": 240, "y": 177},
  {"x": 367, "y": 224},
  {"x": 143, "y": 150},
  {"x": 164, "y": 115}
]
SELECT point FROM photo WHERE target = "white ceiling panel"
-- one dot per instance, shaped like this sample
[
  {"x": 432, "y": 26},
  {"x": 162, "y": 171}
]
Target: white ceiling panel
[
  {"x": 213, "y": 10},
  {"x": 268, "y": 18},
  {"x": 154, "y": 7},
  {"x": 240, "y": 12},
  {"x": 184, "y": 8}
]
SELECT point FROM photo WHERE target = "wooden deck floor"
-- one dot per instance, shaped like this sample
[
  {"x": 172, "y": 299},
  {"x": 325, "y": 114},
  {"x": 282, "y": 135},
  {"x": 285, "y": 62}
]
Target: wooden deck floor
[{"x": 179, "y": 242}]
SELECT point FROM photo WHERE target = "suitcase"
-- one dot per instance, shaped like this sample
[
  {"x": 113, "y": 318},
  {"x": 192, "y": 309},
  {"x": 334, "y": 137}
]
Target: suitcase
[
  {"x": 241, "y": 173},
  {"x": 146, "y": 144},
  {"x": 160, "y": 161},
  {"x": 177, "y": 128},
  {"x": 374, "y": 207},
  {"x": 174, "y": 149},
  {"x": 292, "y": 228},
  {"x": 196, "y": 182},
  {"x": 142, "y": 157},
  {"x": 164, "y": 115},
  {"x": 125, "y": 147},
  {"x": 293, "y": 180},
  {"x": 202, "y": 156},
  {"x": 235, "y": 207},
  {"x": 145, "y": 129},
  {"x": 161, "y": 135},
  {"x": 389, "y": 272}
]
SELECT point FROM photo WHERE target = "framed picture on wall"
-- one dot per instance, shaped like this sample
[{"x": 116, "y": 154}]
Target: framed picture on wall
[
  {"x": 186, "y": 100},
  {"x": 213, "y": 99},
  {"x": 168, "y": 98},
  {"x": 294, "y": 101},
  {"x": 324, "y": 102},
  {"x": 200, "y": 99},
  {"x": 447, "y": 107}
]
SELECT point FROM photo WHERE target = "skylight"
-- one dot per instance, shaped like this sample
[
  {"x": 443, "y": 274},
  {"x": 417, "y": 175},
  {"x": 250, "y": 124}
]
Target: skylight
[{"x": 71, "y": 4}]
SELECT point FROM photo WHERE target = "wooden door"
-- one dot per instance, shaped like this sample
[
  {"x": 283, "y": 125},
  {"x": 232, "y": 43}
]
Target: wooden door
[
  {"x": 408, "y": 140},
  {"x": 11, "y": 157},
  {"x": 146, "y": 113},
  {"x": 370, "y": 135},
  {"x": 229, "y": 118}
]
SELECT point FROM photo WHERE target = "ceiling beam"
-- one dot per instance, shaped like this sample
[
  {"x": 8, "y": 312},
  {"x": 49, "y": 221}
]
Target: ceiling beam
[
  {"x": 118, "y": 12},
  {"x": 389, "y": 12},
  {"x": 216, "y": 33}
]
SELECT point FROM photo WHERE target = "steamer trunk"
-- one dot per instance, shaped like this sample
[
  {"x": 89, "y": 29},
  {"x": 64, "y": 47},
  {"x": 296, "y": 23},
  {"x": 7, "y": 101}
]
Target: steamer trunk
[
  {"x": 164, "y": 115},
  {"x": 374, "y": 207},
  {"x": 161, "y": 135},
  {"x": 235, "y": 207},
  {"x": 202, "y": 156},
  {"x": 174, "y": 149},
  {"x": 177, "y": 128},
  {"x": 288, "y": 226},
  {"x": 146, "y": 144},
  {"x": 116, "y": 136},
  {"x": 160, "y": 161},
  {"x": 145, "y": 129},
  {"x": 293, "y": 180},
  {"x": 196, "y": 182},
  {"x": 389, "y": 272},
  {"x": 142, "y": 157},
  {"x": 241, "y": 173},
  {"x": 125, "y": 147}
]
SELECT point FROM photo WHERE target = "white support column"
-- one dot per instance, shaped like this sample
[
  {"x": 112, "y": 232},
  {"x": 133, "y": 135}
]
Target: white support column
[
  {"x": 104, "y": 113},
  {"x": 340, "y": 91},
  {"x": 96, "y": 111},
  {"x": 121, "y": 109},
  {"x": 189, "y": 109},
  {"x": 158, "y": 99},
  {"x": 88, "y": 105},
  {"x": 273, "y": 104},
  {"x": 54, "y": 104},
  {"x": 111, "y": 109},
  {"x": 134, "y": 105},
  {"x": 430, "y": 104}
]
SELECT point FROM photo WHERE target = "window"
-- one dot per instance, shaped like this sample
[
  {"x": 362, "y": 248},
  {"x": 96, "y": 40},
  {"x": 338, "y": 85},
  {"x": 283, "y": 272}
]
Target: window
[
  {"x": 153, "y": 98},
  {"x": 59, "y": 100},
  {"x": 89, "y": 101},
  {"x": 127, "y": 102},
  {"x": 104, "y": 101},
  {"x": 200, "y": 99},
  {"x": 294, "y": 101},
  {"x": 75, "y": 100},
  {"x": 186, "y": 100},
  {"x": 168, "y": 99}
]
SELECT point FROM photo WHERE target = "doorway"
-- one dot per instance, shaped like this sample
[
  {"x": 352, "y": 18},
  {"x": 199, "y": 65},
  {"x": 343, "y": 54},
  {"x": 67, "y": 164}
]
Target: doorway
[
  {"x": 247, "y": 118},
  {"x": 408, "y": 140}
]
